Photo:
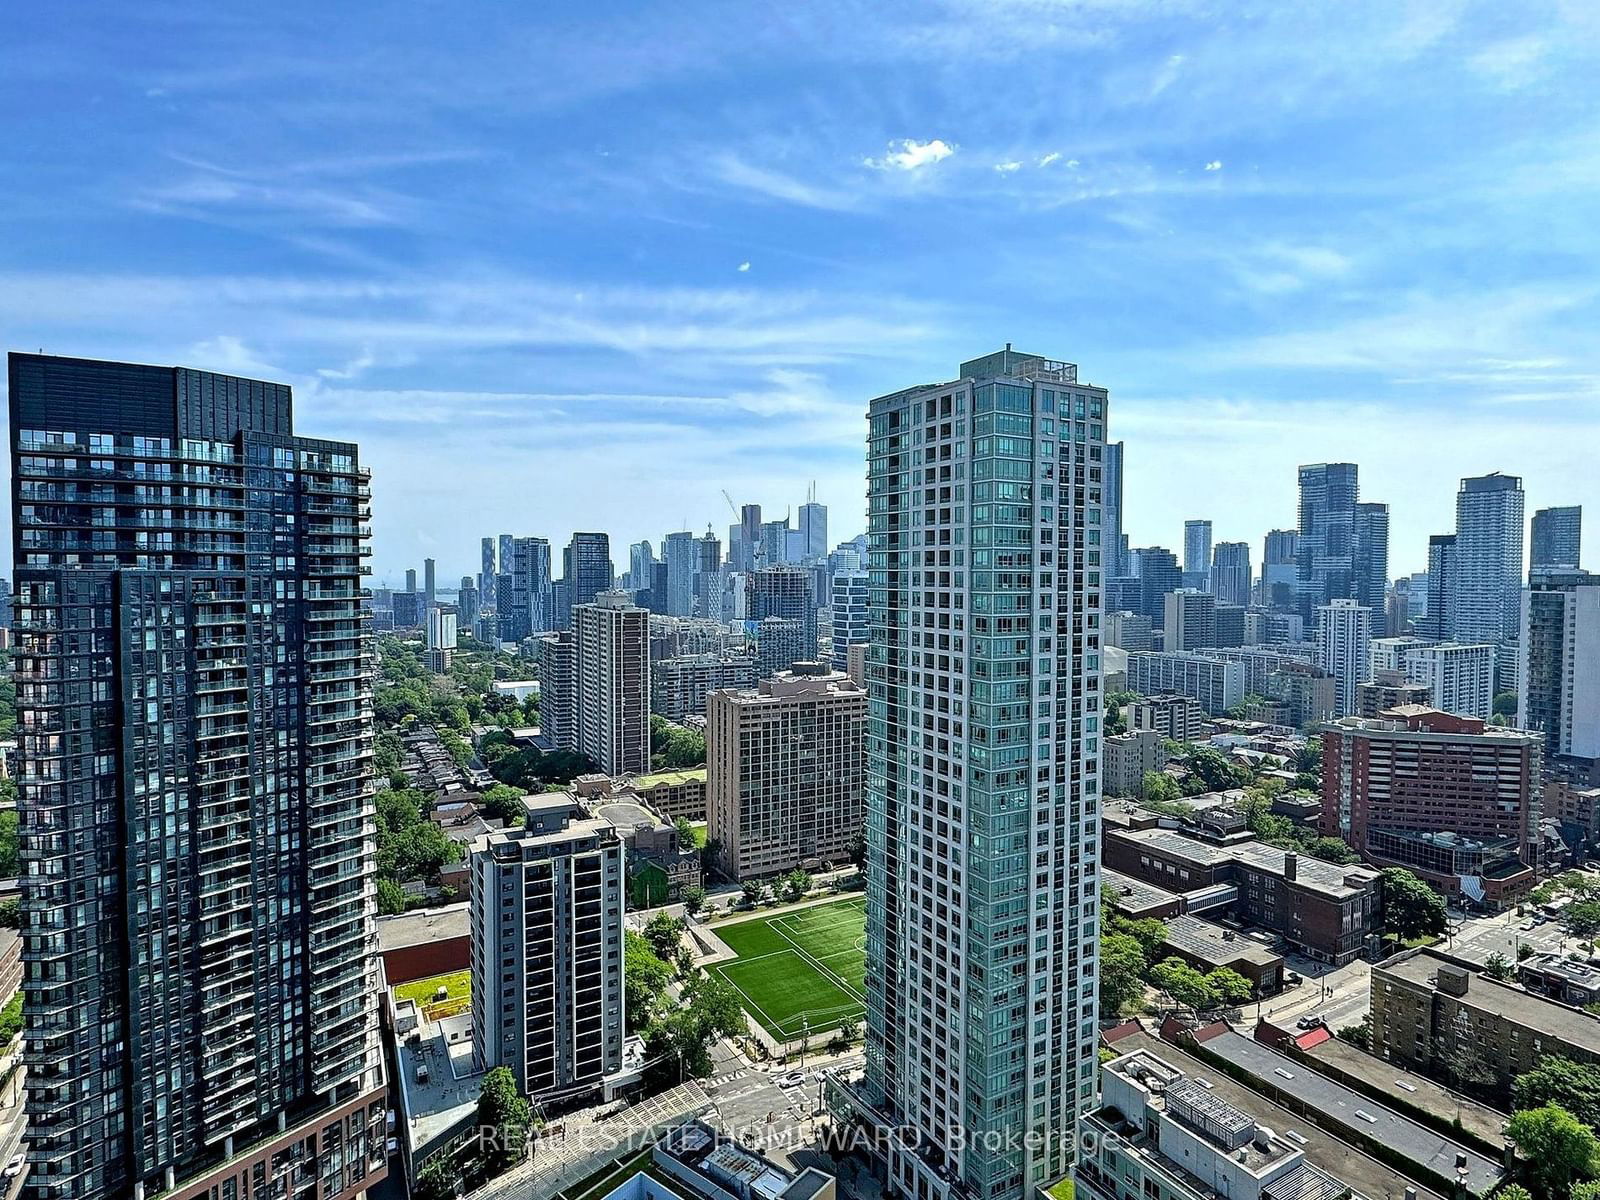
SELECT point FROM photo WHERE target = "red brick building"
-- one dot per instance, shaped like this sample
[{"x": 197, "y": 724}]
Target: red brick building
[{"x": 1450, "y": 798}]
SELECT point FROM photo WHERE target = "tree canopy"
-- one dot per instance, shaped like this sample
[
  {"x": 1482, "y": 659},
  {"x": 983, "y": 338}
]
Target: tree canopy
[
  {"x": 1411, "y": 909},
  {"x": 673, "y": 745},
  {"x": 1573, "y": 1085},
  {"x": 1555, "y": 1150}
]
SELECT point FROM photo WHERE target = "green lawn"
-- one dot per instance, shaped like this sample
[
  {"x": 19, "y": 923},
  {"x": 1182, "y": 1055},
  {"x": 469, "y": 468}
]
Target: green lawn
[
  {"x": 808, "y": 964},
  {"x": 458, "y": 994}
]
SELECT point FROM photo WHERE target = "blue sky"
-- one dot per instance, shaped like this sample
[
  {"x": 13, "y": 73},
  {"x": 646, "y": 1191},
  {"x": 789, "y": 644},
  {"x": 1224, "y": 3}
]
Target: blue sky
[{"x": 582, "y": 266}]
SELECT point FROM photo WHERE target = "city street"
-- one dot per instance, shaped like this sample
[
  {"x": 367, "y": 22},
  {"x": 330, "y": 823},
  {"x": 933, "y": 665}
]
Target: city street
[
  {"x": 1338, "y": 995},
  {"x": 1476, "y": 938}
]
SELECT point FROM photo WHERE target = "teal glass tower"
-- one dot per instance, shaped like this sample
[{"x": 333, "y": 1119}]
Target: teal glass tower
[{"x": 985, "y": 499}]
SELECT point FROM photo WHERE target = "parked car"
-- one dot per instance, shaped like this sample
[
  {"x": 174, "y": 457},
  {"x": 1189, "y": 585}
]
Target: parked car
[
  {"x": 1294, "y": 978},
  {"x": 1308, "y": 1022}
]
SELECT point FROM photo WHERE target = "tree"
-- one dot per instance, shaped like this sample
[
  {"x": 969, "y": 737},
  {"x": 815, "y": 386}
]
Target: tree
[
  {"x": 1411, "y": 909},
  {"x": 391, "y": 898},
  {"x": 1158, "y": 785},
  {"x": 1582, "y": 918},
  {"x": 1555, "y": 1148},
  {"x": 1332, "y": 849},
  {"x": 1122, "y": 967},
  {"x": 1210, "y": 771},
  {"x": 1185, "y": 985},
  {"x": 10, "y": 914},
  {"x": 9, "y": 857},
  {"x": 796, "y": 884},
  {"x": 1573, "y": 1085},
  {"x": 684, "y": 828},
  {"x": 664, "y": 932},
  {"x": 1498, "y": 966},
  {"x": 1505, "y": 704},
  {"x": 1524, "y": 951},
  {"x": 694, "y": 899},
  {"x": 1228, "y": 986},
  {"x": 1513, "y": 1191},
  {"x": 675, "y": 745},
  {"x": 437, "y": 1180},
  {"x": 502, "y": 802},
  {"x": 1587, "y": 1189},
  {"x": 678, "y": 1043},
  {"x": 856, "y": 850},
  {"x": 504, "y": 1116},
  {"x": 644, "y": 980},
  {"x": 751, "y": 891}
]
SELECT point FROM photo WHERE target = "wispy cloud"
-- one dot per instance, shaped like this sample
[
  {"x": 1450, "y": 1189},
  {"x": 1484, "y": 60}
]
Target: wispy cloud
[{"x": 775, "y": 185}]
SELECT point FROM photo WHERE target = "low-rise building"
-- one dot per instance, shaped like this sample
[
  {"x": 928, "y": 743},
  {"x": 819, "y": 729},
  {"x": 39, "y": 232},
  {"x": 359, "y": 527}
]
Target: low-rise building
[
  {"x": 1126, "y": 758},
  {"x": 1207, "y": 946},
  {"x": 1136, "y": 899},
  {"x": 1180, "y": 718},
  {"x": 715, "y": 1166},
  {"x": 1329, "y": 912},
  {"x": 657, "y": 866},
  {"x": 676, "y": 794},
  {"x": 1442, "y": 1016},
  {"x": 1574, "y": 981}
]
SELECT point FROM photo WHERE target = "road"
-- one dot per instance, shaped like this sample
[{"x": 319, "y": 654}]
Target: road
[{"x": 1476, "y": 938}]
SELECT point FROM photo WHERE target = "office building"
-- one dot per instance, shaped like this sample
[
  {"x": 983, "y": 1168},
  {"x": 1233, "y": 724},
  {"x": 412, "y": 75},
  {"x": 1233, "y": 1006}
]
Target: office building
[
  {"x": 1453, "y": 799},
  {"x": 1369, "y": 555},
  {"x": 1344, "y": 648},
  {"x": 785, "y": 772},
  {"x": 430, "y": 595},
  {"x": 678, "y": 551},
  {"x": 1129, "y": 631},
  {"x": 1230, "y": 573},
  {"x": 406, "y": 609},
  {"x": 1430, "y": 1011},
  {"x": 1280, "y": 556},
  {"x": 558, "y": 689},
  {"x": 525, "y": 593},
  {"x": 546, "y": 917},
  {"x": 487, "y": 569},
  {"x": 1324, "y": 551},
  {"x": 772, "y": 550},
  {"x": 467, "y": 603},
  {"x": 1190, "y": 620},
  {"x": 980, "y": 843},
  {"x": 1197, "y": 555},
  {"x": 708, "y": 577},
  {"x": 813, "y": 529},
  {"x": 786, "y": 592},
  {"x": 1112, "y": 542},
  {"x": 848, "y": 608},
  {"x": 1216, "y": 684},
  {"x": 411, "y": 580},
  {"x": 1559, "y": 684},
  {"x": 1127, "y": 758},
  {"x": 611, "y": 673},
  {"x": 1557, "y": 539},
  {"x": 440, "y": 644},
  {"x": 194, "y": 703},
  {"x": 1158, "y": 573},
  {"x": 1180, "y": 718},
  {"x": 586, "y": 566},
  {"x": 679, "y": 686},
  {"x": 1483, "y": 588},
  {"x": 641, "y": 558}
]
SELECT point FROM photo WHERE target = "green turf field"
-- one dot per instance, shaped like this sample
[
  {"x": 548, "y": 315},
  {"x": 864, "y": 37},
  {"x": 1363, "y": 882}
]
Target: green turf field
[{"x": 809, "y": 963}]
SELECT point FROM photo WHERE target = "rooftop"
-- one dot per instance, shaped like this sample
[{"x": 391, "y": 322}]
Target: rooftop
[
  {"x": 438, "y": 1080},
  {"x": 1505, "y": 1000},
  {"x": 1345, "y": 1106},
  {"x": 422, "y": 925},
  {"x": 1216, "y": 944},
  {"x": 1361, "y": 1172},
  {"x": 1135, "y": 897},
  {"x": 670, "y": 778}
]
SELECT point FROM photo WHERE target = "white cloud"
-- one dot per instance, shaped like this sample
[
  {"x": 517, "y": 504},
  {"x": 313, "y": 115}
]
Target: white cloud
[
  {"x": 907, "y": 154},
  {"x": 744, "y": 266},
  {"x": 1050, "y": 158},
  {"x": 1005, "y": 168},
  {"x": 1214, "y": 165},
  {"x": 1513, "y": 63}
]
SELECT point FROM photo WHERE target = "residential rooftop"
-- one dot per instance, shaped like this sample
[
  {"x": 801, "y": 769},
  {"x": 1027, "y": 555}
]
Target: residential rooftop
[
  {"x": 1361, "y": 1172},
  {"x": 422, "y": 925},
  {"x": 1342, "y": 1105},
  {"x": 670, "y": 778},
  {"x": 1505, "y": 1000}
]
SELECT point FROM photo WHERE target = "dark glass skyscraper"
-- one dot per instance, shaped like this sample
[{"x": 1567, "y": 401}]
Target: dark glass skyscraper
[
  {"x": 198, "y": 845},
  {"x": 1328, "y": 495},
  {"x": 587, "y": 566},
  {"x": 1557, "y": 539}
]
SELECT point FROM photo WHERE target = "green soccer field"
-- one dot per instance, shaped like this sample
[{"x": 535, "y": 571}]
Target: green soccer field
[{"x": 804, "y": 966}]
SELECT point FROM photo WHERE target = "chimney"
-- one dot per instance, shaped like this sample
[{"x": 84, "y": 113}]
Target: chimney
[{"x": 1291, "y": 865}]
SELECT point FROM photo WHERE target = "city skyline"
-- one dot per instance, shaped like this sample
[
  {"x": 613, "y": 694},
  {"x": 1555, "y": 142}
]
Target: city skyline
[{"x": 537, "y": 288}]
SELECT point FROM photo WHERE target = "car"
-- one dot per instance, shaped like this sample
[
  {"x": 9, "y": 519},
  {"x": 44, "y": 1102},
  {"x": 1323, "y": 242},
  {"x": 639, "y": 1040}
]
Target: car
[
  {"x": 1295, "y": 978},
  {"x": 14, "y": 1167},
  {"x": 792, "y": 1079},
  {"x": 1527, "y": 925},
  {"x": 1308, "y": 1022}
]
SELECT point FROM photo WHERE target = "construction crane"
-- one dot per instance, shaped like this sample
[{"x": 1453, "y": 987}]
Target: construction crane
[{"x": 732, "y": 507}]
